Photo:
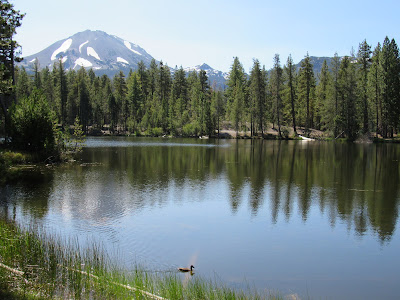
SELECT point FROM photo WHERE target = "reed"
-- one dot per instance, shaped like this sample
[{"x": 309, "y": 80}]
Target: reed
[{"x": 36, "y": 265}]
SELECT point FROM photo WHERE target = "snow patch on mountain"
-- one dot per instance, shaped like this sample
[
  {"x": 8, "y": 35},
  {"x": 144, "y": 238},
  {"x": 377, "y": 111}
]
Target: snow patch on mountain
[
  {"x": 129, "y": 46},
  {"x": 63, "y": 48},
  {"x": 64, "y": 59},
  {"x": 121, "y": 60},
  {"x": 81, "y": 45},
  {"x": 83, "y": 63},
  {"x": 33, "y": 60},
  {"x": 92, "y": 52}
]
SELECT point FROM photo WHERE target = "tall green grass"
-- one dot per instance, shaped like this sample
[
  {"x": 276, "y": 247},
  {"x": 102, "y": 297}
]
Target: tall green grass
[{"x": 41, "y": 266}]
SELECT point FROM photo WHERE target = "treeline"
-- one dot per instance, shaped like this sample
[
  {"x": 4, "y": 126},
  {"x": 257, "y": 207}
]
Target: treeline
[
  {"x": 148, "y": 100},
  {"x": 353, "y": 95}
]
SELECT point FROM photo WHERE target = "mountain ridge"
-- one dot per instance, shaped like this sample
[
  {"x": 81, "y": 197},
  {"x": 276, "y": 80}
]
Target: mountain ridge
[{"x": 108, "y": 54}]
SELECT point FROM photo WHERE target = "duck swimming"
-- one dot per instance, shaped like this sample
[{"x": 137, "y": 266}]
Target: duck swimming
[{"x": 186, "y": 269}]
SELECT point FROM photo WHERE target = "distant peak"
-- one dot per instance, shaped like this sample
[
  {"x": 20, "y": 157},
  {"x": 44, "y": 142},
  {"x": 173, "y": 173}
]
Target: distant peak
[{"x": 205, "y": 67}]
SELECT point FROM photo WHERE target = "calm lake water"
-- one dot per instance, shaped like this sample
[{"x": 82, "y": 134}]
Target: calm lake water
[{"x": 310, "y": 219}]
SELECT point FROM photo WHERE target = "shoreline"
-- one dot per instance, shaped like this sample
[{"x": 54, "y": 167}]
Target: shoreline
[{"x": 36, "y": 265}]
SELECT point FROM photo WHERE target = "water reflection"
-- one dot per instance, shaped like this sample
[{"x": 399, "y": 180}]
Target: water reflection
[{"x": 356, "y": 184}]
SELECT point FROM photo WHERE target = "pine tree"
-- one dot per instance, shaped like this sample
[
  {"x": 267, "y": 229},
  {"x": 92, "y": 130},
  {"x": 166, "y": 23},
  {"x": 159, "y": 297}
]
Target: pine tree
[
  {"x": 389, "y": 63},
  {"x": 84, "y": 101},
  {"x": 217, "y": 108},
  {"x": 112, "y": 105},
  {"x": 152, "y": 78},
  {"x": 290, "y": 71},
  {"x": 48, "y": 87},
  {"x": 276, "y": 88},
  {"x": 72, "y": 104},
  {"x": 192, "y": 127},
  {"x": 178, "y": 101},
  {"x": 235, "y": 94},
  {"x": 257, "y": 98},
  {"x": 374, "y": 88},
  {"x": 163, "y": 87},
  {"x": 306, "y": 84},
  {"x": 95, "y": 92},
  {"x": 10, "y": 20},
  {"x": 205, "y": 105},
  {"x": 363, "y": 61},
  {"x": 23, "y": 84},
  {"x": 37, "y": 80},
  {"x": 135, "y": 97},
  {"x": 348, "y": 98},
  {"x": 120, "y": 92},
  {"x": 335, "y": 96},
  {"x": 325, "y": 108},
  {"x": 62, "y": 90}
]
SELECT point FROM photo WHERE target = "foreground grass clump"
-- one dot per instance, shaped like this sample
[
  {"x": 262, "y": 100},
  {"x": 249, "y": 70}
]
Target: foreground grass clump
[{"x": 35, "y": 265}]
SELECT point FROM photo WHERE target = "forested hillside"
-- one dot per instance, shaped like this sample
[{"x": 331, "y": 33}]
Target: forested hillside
[{"x": 351, "y": 96}]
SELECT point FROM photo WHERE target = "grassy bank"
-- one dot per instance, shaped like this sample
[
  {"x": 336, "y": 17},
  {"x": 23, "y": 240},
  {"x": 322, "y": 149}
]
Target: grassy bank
[
  {"x": 12, "y": 164},
  {"x": 35, "y": 265}
]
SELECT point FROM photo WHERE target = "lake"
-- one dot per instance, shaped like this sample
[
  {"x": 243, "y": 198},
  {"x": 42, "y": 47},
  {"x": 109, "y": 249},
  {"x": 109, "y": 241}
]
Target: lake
[{"x": 307, "y": 219}]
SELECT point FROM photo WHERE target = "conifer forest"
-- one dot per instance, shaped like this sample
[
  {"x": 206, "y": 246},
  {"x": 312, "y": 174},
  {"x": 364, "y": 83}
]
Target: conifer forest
[{"x": 352, "y": 96}]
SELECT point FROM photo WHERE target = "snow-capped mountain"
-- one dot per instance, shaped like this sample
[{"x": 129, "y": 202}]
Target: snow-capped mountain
[
  {"x": 215, "y": 77},
  {"x": 104, "y": 53}
]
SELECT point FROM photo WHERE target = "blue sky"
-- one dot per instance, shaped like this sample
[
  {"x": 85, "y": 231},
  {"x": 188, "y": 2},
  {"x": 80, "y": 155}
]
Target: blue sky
[{"x": 190, "y": 33}]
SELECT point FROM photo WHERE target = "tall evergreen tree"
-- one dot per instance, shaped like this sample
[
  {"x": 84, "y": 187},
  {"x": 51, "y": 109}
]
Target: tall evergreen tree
[
  {"x": 290, "y": 72},
  {"x": 363, "y": 60},
  {"x": 112, "y": 105},
  {"x": 178, "y": 101},
  {"x": 276, "y": 88},
  {"x": 335, "y": 77},
  {"x": 348, "y": 98},
  {"x": 205, "y": 104},
  {"x": 72, "y": 103},
  {"x": 48, "y": 87},
  {"x": 120, "y": 93},
  {"x": 374, "y": 88},
  {"x": 163, "y": 87},
  {"x": 142, "y": 73},
  {"x": 10, "y": 20},
  {"x": 325, "y": 108},
  {"x": 22, "y": 83},
  {"x": 135, "y": 97},
  {"x": 96, "y": 104},
  {"x": 217, "y": 108},
  {"x": 62, "y": 90},
  {"x": 37, "y": 80},
  {"x": 83, "y": 96},
  {"x": 306, "y": 84},
  {"x": 152, "y": 78},
  {"x": 105, "y": 86},
  {"x": 257, "y": 98},
  {"x": 390, "y": 87},
  {"x": 235, "y": 94}
]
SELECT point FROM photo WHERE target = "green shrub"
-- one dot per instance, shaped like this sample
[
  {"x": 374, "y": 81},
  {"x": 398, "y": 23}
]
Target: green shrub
[
  {"x": 32, "y": 125},
  {"x": 191, "y": 129},
  {"x": 157, "y": 131}
]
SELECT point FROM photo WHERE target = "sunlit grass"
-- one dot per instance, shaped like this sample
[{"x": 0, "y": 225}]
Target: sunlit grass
[{"x": 36, "y": 265}]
